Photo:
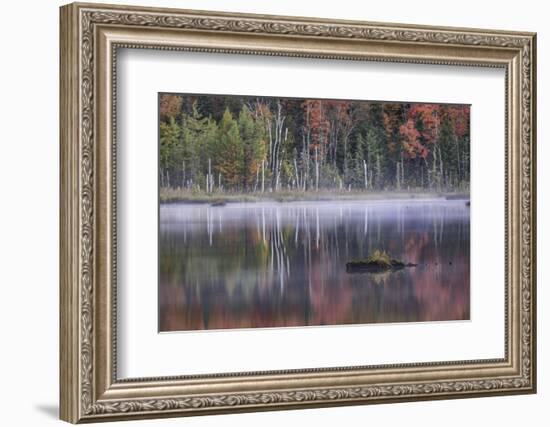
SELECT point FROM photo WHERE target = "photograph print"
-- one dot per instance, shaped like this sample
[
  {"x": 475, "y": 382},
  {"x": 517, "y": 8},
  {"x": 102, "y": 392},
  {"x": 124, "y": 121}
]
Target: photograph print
[{"x": 293, "y": 212}]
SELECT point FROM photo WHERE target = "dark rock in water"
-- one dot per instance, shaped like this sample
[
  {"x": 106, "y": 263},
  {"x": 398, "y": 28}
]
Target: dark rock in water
[
  {"x": 376, "y": 262},
  {"x": 218, "y": 203},
  {"x": 366, "y": 266}
]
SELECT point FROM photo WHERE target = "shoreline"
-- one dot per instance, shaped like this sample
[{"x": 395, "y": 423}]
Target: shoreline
[{"x": 284, "y": 197}]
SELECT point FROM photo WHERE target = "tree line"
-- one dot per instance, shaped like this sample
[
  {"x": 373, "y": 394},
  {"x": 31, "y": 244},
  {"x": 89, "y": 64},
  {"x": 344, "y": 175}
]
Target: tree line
[{"x": 216, "y": 143}]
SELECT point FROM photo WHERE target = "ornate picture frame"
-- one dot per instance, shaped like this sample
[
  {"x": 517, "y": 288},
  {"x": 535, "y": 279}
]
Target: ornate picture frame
[{"x": 90, "y": 37}]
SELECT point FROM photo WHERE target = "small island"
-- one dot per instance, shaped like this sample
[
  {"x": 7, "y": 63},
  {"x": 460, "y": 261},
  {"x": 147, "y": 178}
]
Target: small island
[{"x": 378, "y": 261}]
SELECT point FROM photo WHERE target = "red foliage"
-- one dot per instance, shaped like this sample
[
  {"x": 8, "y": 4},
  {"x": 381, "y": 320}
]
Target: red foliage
[
  {"x": 410, "y": 140},
  {"x": 316, "y": 120},
  {"x": 431, "y": 118},
  {"x": 459, "y": 115}
]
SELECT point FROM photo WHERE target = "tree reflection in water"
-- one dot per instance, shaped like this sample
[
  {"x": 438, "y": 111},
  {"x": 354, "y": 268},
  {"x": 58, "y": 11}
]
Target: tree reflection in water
[{"x": 283, "y": 264}]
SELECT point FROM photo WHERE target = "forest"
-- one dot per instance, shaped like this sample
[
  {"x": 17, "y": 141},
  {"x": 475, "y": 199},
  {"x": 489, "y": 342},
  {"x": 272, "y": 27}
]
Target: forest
[{"x": 226, "y": 144}]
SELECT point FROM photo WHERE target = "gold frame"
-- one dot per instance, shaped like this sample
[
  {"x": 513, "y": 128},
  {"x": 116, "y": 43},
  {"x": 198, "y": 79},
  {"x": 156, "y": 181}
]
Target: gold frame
[{"x": 90, "y": 36}]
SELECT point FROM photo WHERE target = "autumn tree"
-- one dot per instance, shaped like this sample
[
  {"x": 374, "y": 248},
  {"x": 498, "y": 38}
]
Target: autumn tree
[{"x": 169, "y": 106}]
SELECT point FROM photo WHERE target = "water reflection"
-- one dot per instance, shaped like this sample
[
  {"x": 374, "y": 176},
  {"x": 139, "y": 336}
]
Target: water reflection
[{"x": 283, "y": 264}]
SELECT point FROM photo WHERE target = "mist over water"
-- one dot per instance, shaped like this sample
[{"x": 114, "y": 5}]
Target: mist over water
[{"x": 270, "y": 264}]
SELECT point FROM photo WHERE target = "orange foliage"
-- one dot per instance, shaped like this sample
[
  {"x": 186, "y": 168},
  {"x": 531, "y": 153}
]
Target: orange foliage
[
  {"x": 411, "y": 142},
  {"x": 170, "y": 106}
]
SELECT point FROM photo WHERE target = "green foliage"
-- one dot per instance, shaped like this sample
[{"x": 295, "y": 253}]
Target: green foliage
[
  {"x": 169, "y": 142},
  {"x": 170, "y": 148},
  {"x": 376, "y": 262},
  {"x": 252, "y": 134},
  {"x": 229, "y": 150},
  {"x": 380, "y": 257},
  {"x": 377, "y": 157}
]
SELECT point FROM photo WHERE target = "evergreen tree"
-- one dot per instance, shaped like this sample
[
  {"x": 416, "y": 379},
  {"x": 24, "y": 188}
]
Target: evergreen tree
[
  {"x": 448, "y": 165},
  {"x": 230, "y": 152},
  {"x": 170, "y": 149},
  {"x": 199, "y": 134},
  {"x": 252, "y": 134},
  {"x": 377, "y": 158}
]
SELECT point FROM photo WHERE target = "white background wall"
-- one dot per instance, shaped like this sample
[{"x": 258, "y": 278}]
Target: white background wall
[{"x": 29, "y": 171}]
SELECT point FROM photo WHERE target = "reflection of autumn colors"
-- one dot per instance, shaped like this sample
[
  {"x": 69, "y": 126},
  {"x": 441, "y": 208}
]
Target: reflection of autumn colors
[{"x": 283, "y": 264}]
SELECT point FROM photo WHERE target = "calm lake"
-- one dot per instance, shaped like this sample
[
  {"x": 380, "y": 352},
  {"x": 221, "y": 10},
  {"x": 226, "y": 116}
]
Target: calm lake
[{"x": 269, "y": 264}]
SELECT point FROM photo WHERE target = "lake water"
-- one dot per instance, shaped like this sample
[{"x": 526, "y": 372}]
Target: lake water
[{"x": 248, "y": 265}]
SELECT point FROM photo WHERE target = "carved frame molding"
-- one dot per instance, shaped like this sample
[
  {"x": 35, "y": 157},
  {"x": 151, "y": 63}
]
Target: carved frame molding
[{"x": 90, "y": 37}]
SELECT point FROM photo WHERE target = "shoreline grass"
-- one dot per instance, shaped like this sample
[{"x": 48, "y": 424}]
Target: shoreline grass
[{"x": 178, "y": 195}]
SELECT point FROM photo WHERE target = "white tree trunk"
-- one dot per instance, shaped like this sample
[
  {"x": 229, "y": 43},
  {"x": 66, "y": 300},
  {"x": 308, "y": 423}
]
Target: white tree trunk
[
  {"x": 316, "y": 170},
  {"x": 366, "y": 174}
]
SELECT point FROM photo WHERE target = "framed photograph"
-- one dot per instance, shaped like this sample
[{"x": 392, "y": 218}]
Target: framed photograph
[{"x": 267, "y": 212}]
